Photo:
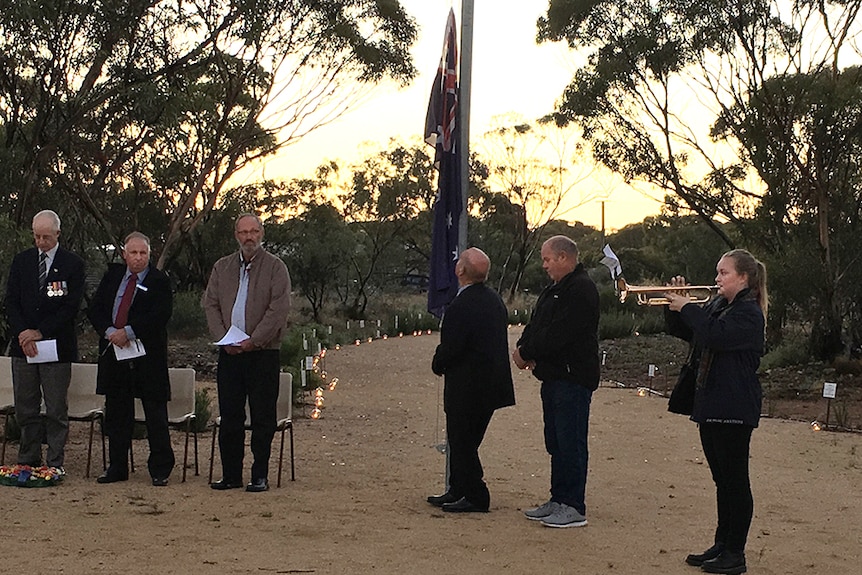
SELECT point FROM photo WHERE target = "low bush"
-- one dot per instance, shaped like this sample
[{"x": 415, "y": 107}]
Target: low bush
[
  {"x": 791, "y": 351},
  {"x": 203, "y": 409},
  {"x": 188, "y": 318},
  {"x": 614, "y": 325}
]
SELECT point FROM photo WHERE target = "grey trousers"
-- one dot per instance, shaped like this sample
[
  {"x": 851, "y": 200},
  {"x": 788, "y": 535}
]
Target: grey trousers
[{"x": 32, "y": 383}]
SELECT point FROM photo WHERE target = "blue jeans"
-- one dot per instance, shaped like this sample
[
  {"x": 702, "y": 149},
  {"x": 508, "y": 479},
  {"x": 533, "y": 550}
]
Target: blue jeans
[{"x": 566, "y": 411}]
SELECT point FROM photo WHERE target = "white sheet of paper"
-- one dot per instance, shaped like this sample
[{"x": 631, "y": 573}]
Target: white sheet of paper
[
  {"x": 233, "y": 337},
  {"x": 133, "y": 349},
  {"x": 46, "y": 352}
]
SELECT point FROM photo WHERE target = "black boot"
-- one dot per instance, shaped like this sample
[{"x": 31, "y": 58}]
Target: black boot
[
  {"x": 697, "y": 559},
  {"x": 728, "y": 563}
]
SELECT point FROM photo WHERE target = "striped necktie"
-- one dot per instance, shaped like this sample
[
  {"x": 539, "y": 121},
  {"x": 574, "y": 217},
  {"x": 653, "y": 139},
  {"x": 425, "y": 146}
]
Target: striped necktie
[{"x": 43, "y": 269}]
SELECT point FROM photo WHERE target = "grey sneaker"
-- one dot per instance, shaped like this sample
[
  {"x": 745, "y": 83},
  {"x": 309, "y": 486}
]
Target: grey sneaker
[
  {"x": 564, "y": 516},
  {"x": 542, "y": 511}
]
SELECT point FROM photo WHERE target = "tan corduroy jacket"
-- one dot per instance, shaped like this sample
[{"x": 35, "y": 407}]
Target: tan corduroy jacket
[{"x": 268, "y": 300}]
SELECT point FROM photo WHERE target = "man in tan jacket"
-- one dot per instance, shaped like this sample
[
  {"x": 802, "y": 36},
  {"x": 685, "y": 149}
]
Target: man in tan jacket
[{"x": 249, "y": 293}]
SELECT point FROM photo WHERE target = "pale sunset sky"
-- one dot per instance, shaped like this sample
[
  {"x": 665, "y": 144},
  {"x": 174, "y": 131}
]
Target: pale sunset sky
[{"x": 511, "y": 74}]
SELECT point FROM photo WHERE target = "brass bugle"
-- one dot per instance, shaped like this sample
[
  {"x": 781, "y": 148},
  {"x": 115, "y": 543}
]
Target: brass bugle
[{"x": 654, "y": 295}]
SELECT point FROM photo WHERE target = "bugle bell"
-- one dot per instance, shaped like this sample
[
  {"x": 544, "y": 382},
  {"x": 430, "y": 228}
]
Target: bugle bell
[{"x": 654, "y": 295}]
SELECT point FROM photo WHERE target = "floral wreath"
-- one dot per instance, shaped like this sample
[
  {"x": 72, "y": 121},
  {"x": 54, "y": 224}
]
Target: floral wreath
[{"x": 26, "y": 476}]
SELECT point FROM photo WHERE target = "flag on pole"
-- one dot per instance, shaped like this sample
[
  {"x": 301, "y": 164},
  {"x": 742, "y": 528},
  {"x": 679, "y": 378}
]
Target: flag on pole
[{"x": 441, "y": 131}]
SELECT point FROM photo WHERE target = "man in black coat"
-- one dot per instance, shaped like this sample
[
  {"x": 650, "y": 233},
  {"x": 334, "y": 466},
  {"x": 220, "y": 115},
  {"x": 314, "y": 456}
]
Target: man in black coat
[
  {"x": 130, "y": 310},
  {"x": 43, "y": 295},
  {"x": 560, "y": 345},
  {"x": 473, "y": 355}
]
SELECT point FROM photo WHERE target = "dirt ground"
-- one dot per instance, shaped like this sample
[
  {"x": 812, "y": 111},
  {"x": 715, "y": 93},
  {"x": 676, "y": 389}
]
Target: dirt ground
[{"x": 364, "y": 469}]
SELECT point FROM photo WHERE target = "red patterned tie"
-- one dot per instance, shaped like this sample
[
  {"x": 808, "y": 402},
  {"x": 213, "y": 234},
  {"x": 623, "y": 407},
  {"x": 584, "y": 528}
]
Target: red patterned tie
[{"x": 126, "y": 302}]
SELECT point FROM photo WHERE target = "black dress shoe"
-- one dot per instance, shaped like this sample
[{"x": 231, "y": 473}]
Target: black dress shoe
[
  {"x": 257, "y": 485},
  {"x": 697, "y": 560},
  {"x": 223, "y": 484},
  {"x": 108, "y": 477},
  {"x": 160, "y": 481},
  {"x": 463, "y": 506},
  {"x": 728, "y": 563},
  {"x": 439, "y": 500}
]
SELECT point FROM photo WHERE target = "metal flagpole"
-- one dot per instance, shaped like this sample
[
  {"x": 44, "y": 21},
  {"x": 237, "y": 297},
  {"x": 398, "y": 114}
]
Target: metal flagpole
[
  {"x": 464, "y": 77},
  {"x": 466, "y": 74}
]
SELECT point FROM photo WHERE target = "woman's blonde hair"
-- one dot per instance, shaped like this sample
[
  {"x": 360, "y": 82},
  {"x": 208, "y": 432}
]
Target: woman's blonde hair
[{"x": 745, "y": 263}]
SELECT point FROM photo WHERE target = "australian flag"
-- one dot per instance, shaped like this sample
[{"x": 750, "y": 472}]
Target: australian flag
[{"x": 441, "y": 131}]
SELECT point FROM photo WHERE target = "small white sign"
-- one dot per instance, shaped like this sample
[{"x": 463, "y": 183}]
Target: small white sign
[
  {"x": 652, "y": 370},
  {"x": 829, "y": 390},
  {"x": 309, "y": 362}
]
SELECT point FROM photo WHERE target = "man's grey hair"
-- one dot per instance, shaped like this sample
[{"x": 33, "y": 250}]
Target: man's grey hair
[
  {"x": 136, "y": 236},
  {"x": 248, "y": 215},
  {"x": 51, "y": 215},
  {"x": 565, "y": 244}
]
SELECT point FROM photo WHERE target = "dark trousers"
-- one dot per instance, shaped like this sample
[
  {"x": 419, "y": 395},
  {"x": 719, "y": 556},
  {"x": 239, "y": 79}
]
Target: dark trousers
[
  {"x": 31, "y": 383},
  {"x": 566, "y": 412},
  {"x": 726, "y": 447},
  {"x": 465, "y": 432},
  {"x": 120, "y": 424},
  {"x": 247, "y": 377}
]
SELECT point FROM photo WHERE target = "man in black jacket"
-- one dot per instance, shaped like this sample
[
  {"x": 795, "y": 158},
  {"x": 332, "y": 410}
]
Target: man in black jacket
[
  {"x": 474, "y": 357},
  {"x": 43, "y": 294},
  {"x": 560, "y": 345},
  {"x": 131, "y": 309}
]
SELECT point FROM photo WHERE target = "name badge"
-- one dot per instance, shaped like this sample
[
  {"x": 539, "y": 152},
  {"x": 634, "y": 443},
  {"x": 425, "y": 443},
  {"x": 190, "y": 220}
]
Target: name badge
[{"x": 57, "y": 289}]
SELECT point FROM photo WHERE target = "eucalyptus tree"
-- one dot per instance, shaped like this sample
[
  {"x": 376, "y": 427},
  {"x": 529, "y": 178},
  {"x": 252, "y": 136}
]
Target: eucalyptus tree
[
  {"x": 120, "y": 110},
  {"x": 314, "y": 245},
  {"x": 536, "y": 173},
  {"x": 731, "y": 108},
  {"x": 384, "y": 203}
]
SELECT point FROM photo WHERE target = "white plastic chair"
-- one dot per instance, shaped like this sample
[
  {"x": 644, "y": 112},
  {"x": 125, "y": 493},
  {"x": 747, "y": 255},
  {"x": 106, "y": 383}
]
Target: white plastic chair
[
  {"x": 181, "y": 411},
  {"x": 7, "y": 399},
  {"x": 86, "y": 405},
  {"x": 284, "y": 422}
]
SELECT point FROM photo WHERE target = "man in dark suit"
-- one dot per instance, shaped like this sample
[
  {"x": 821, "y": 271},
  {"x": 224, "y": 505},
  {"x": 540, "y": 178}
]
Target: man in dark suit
[
  {"x": 43, "y": 294},
  {"x": 131, "y": 309},
  {"x": 473, "y": 355}
]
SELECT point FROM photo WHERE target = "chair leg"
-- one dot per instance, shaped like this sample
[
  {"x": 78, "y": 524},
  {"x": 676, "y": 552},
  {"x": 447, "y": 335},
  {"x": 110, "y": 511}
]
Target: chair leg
[
  {"x": 5, "y": 439},
  {"x": 292, "y": 472},
  {"x": 195, "y": 433},
  {"x": 90, "y": 447},
  {"x": 104, "y": 454},
  {"x": 102, "y": 430},
  {"x": 212, "y": 451},
  {"x": 186, "y": 452},
  {"x": 280, "y": 458}
]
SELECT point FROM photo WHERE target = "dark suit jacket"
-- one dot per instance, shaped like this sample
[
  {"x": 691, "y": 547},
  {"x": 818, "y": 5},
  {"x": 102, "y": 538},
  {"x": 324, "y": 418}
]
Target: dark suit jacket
[
  {"x": 29, "y": 306},
  {"x": 474, "y": 353},
  {"x": 148, "y": 316}
]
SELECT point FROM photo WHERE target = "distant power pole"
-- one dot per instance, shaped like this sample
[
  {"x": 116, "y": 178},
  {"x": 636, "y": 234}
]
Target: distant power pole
[
  {"x": 464, "y": 111},
  {"x": 603, "y": 223}
]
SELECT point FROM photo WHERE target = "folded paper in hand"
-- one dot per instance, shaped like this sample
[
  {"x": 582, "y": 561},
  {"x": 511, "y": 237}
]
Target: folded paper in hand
[
  {"x": 46, "y": 352},
  {"x": 234, "y": 336},
  {"x": 133, "y": 349}
]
